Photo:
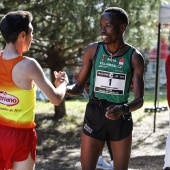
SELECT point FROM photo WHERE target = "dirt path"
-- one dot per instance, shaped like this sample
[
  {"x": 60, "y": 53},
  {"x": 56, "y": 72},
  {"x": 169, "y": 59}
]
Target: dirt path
[
  {"x": 59, "y": 149},
  {"x": 149, "y": 148}
]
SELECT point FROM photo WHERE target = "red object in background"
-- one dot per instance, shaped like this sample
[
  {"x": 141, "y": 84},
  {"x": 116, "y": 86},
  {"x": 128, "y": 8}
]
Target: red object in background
[
  {"x": 86, "y": 88},
  {"x": 163, "y": 51},
  {"x": 167, "y": 69}
]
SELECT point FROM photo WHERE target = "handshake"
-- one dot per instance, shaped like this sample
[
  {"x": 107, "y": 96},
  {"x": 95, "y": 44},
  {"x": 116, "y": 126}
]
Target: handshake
[{"x": 60, "y": 77}]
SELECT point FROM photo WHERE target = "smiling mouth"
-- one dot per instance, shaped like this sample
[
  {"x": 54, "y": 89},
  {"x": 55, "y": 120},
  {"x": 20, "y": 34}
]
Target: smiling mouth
[{"x": 103, "y": 37}]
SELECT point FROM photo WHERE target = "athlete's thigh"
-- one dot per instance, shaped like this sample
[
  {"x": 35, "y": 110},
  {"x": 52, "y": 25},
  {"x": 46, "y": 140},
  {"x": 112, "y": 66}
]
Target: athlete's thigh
[
  {"x": 28, "y": 164},
  {"x": 121, "y": 151},
  {"x": 90, "y": 150}
]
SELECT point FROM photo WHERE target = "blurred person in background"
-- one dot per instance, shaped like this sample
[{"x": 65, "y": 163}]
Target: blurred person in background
[
  {"x": 167, "y": 149},
  {"x": 102, "y": 164}
]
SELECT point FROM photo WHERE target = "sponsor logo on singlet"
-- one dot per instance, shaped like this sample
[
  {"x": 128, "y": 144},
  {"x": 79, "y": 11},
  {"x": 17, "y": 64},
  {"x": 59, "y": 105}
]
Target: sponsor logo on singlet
[
  {"x": 8, "y": 99},
  {"x": 121, "y": 61}
]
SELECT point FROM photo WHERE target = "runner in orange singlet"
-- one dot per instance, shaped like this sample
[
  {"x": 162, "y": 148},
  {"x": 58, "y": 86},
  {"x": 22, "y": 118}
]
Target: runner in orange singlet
[{"x": 18, "y": 76}]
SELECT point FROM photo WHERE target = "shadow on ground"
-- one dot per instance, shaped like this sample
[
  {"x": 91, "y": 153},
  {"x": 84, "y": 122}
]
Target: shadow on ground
[{"x": 58, "y": 148}]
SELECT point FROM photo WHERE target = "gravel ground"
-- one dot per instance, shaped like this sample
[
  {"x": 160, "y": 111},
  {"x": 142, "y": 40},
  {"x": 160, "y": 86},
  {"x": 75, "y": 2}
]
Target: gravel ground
[{"x": 59, "y": 149}]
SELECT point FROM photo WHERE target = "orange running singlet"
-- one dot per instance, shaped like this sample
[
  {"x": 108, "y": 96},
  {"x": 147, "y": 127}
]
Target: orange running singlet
[{"x": 16, "y": 105}]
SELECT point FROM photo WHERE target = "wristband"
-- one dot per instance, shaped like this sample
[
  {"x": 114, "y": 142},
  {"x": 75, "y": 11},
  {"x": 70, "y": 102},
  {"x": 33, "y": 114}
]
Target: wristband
[{"x": 126, "y": 107}]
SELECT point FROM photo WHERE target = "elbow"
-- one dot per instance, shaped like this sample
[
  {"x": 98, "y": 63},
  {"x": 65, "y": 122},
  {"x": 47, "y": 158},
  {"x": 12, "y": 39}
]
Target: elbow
[
  {"x": 56, "y": 103},
  {"x": 58, "y": 100},
  {"x": 141, "y": 102}
]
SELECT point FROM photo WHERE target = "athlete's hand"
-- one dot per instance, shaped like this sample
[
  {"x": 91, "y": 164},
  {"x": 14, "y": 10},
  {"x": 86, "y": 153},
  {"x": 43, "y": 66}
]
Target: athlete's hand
[
  {"x": 113, "y": 112},
  {"x": 60, "y": 78}
]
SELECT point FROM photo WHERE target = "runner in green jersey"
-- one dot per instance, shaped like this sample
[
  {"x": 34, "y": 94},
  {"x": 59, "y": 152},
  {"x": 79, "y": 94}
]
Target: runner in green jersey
[{"x": 112, "y": 65}]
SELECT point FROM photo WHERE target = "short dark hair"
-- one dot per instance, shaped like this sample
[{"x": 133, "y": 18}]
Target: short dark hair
[
  {"x": 13, "y": 23},
  {"x": 120, "y": 13}
]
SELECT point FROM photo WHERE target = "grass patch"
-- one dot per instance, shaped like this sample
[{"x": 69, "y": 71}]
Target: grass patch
[
  {"x": 75, "y": 108},
  {"x": 149, "y": 99},
  {"x": 44, "y": 107}
]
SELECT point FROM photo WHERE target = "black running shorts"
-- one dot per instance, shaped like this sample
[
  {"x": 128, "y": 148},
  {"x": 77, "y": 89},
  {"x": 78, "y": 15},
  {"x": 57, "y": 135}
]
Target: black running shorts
[{"x": 97, "y": 126}]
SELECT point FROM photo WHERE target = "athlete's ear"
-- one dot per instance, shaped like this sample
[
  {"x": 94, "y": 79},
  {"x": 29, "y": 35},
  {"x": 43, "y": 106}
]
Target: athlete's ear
[
  {"x": 123, "y": 27},
  {"x": 22, "y": 34}
]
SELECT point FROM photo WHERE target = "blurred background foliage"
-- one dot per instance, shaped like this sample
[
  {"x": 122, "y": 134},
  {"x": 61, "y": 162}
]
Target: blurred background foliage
[{"x": 63, "y": 28}]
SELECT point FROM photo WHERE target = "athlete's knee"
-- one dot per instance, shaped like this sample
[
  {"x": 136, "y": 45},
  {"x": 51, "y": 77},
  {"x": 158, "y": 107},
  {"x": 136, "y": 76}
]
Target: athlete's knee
[
  {"x": 88, "y": 167},
  {"x": 121, "y": 167},
  {"x": 88, "y": 164}
]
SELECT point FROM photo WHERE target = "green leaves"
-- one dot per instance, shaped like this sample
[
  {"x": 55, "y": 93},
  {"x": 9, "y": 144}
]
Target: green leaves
[{"x": 63, "y": 28}]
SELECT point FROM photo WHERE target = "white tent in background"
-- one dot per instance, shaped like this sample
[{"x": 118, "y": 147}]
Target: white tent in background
[
  {"x": 164, "y": 14},
  {"x": 164, "y": 18}
]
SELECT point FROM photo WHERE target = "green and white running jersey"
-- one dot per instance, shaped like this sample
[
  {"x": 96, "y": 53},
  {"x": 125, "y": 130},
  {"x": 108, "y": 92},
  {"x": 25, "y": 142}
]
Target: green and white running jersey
[{"x": 110, "y": 79}]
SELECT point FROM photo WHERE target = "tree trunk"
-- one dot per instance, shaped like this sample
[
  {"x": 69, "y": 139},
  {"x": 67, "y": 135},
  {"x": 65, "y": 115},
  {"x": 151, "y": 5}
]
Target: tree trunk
[
  {"x": 53, "y": 63},
  {"x": 60, "y": 110}
]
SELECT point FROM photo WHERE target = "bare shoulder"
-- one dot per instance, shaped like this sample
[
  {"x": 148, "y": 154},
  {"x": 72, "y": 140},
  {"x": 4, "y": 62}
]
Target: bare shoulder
[
  {"x": 137, "y": 59},
  {"x": 29, "y": 60},
  {"x": 92, "y": 45},
  {"x": 137, "y": 54},
  {"x": 29, "y": 64},
  {"x": 29, "y": 68},
  {"x": 91, "y": 50}
]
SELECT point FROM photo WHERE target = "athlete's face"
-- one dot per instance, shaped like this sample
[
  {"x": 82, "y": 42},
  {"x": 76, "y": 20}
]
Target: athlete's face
[
  {"x": 28, "y": 38},
  {"x": 30, "y": 35},
  {"x": 110, "y": 28}
]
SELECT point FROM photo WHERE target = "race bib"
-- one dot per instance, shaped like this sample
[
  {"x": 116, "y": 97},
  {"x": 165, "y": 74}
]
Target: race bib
[{"x": 110, "y": 82}]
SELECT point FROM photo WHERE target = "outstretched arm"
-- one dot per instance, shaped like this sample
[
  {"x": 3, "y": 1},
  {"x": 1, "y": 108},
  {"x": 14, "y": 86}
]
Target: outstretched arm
[
  {"x": 55, "y": 95},
  {"x": 83, "y": 75}
]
